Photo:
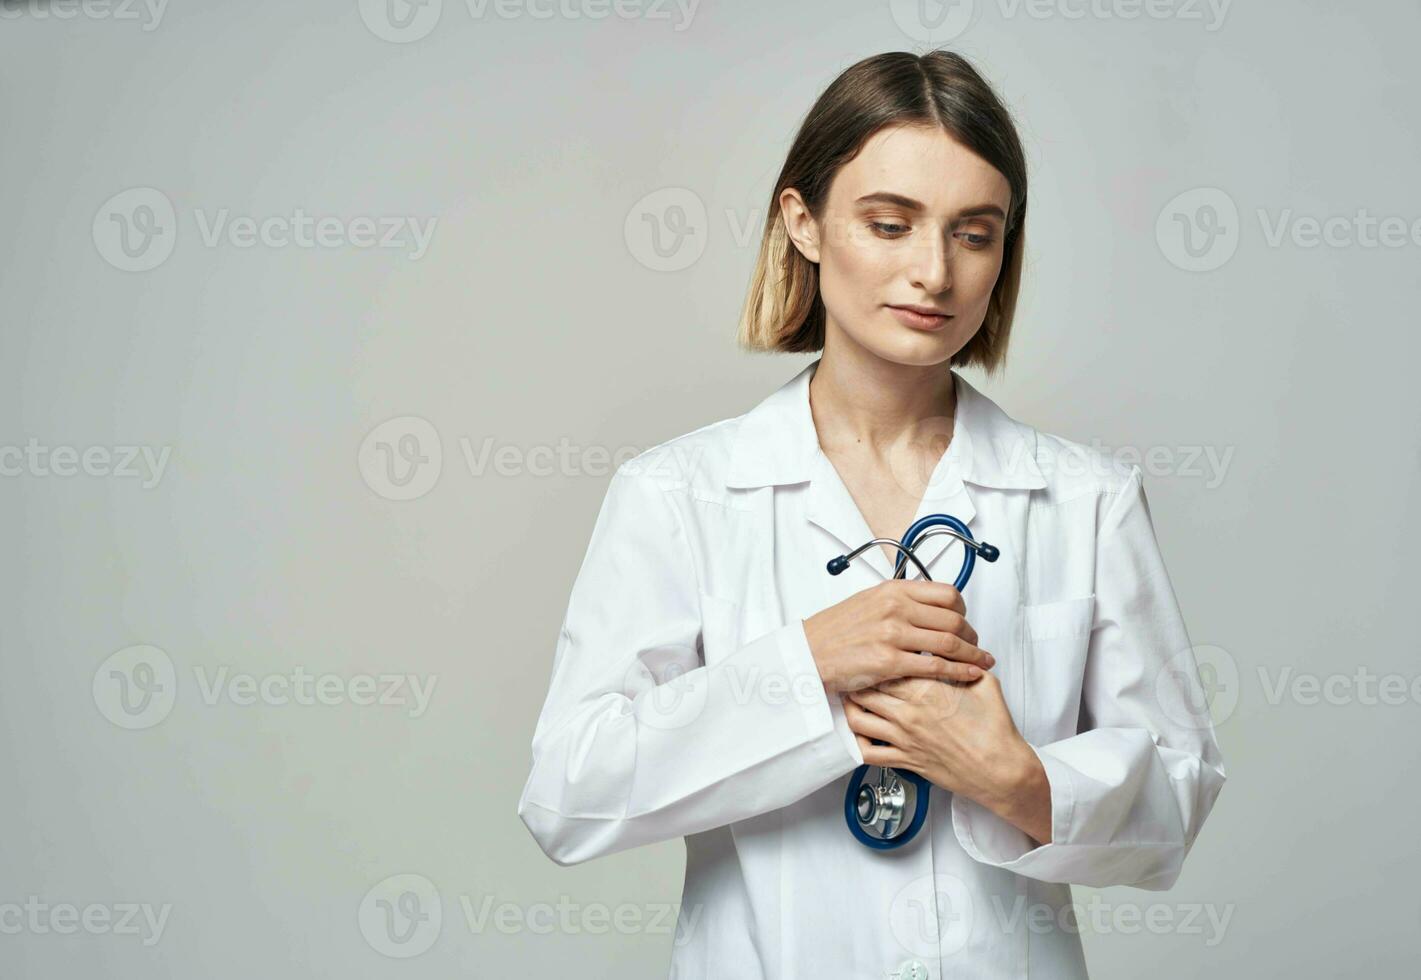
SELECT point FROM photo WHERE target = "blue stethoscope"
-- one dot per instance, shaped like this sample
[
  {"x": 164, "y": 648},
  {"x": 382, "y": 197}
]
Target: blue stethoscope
[{"x": 877, "y": 812}]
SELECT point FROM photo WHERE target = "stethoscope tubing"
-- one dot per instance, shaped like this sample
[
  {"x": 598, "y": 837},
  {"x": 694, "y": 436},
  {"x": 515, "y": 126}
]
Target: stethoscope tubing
[{"x": 920, "y": 528}]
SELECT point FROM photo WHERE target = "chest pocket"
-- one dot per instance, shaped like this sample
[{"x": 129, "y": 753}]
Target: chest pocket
[
  {"x": 720, "y": 628},
  {"x": 1055, "y": 643}
]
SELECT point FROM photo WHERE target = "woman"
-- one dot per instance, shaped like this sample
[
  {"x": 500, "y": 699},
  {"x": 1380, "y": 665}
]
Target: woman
[{"x": 712, "y": 681}]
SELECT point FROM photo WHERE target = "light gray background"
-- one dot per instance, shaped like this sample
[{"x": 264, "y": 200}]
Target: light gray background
[{"x": 537, "y": 318}]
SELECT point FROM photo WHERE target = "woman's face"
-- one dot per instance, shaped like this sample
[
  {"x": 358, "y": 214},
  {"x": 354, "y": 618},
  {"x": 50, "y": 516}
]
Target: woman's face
[{"x": 914, "y": 220}]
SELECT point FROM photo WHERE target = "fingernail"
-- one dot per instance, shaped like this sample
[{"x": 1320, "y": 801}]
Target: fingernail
[{"x": 991, "y": 660}]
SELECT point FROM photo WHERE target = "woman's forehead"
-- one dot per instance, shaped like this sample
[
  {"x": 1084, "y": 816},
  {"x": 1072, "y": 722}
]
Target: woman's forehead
[{"x": 925, "y": 164}]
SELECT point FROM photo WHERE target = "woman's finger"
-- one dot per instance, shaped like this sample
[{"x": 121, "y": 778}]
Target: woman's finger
[
  {"x": 947, "y": 645},
  {"x": 863, "y": 742},
  {"x": 899, "y": 687},
  {"x": 942, "y": 594},
  {"x": 942, "y": 620},
  {"x": 884, "y": 755},
  {"x": 877, "y": 701},
  {"x": 871, "y": 725},
  {"x": 918, "y": 665}
]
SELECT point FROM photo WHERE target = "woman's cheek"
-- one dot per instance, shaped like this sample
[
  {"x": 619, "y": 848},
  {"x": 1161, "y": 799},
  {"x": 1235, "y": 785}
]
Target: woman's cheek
[
  {"x": 974, "y": 285},
  {"x": 847, "y": 283}
]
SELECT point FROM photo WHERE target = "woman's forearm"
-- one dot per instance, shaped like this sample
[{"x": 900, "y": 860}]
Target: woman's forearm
[{"x": 1024, "y": 799}]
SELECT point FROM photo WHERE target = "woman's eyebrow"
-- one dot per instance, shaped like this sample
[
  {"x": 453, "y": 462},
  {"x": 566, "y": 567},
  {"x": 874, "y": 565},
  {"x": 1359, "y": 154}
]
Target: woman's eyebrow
[{"x": 908, "y": 204}]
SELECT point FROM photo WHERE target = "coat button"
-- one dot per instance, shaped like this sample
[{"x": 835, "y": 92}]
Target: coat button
[{"x": 912, "y": 970}]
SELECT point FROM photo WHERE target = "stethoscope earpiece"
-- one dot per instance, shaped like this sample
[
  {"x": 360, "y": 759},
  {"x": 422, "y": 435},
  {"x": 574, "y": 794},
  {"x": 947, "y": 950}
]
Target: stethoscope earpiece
[{"x": 876, "y": 812}]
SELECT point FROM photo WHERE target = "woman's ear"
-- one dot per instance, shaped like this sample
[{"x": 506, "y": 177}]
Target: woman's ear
[{"x": 799, "y": 224}]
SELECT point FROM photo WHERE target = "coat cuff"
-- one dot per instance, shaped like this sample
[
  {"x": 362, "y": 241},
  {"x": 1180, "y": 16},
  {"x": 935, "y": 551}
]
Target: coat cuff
[
  {"x": 822, "y": 711},
  {"x": 991, "y": 839}
]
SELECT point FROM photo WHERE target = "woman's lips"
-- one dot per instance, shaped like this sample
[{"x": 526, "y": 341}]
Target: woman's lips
[{"x": 919, "y": 321}]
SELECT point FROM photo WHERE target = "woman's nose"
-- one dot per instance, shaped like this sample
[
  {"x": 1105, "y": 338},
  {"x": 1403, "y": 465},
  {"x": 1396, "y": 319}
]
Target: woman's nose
[{"x": 932, "y": 263}]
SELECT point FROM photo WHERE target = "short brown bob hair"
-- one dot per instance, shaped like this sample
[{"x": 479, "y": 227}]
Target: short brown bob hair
[{"x": 783, "y": 311}]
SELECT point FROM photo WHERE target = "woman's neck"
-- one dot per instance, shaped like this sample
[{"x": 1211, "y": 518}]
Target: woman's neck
[{"x": 867, "y": 403}]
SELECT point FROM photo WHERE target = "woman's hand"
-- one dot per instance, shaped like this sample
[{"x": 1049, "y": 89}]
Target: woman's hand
[
  {"x": 960, "y": 737},
  {"x": 882, "y": 632}
]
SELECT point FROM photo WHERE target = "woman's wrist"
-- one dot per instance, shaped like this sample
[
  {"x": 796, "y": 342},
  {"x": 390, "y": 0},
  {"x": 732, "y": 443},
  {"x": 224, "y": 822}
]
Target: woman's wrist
[{"x": 1023, "y": 796}]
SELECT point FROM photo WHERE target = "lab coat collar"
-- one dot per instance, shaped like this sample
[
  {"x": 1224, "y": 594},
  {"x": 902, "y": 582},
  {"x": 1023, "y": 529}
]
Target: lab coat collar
[{"x": 777, "y": 443}]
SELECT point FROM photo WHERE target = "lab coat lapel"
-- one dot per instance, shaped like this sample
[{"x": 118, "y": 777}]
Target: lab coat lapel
[
  {"x": 945, "y": 493},
  {"x": 996, "y": 460},
  {"x": 830, "y": 506}
]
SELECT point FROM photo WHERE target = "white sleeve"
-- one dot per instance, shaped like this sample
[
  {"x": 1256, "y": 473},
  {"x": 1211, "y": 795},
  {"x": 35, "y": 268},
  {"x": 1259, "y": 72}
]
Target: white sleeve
[
  {"x": 1131, "y": 790},
  {"x": 638, "y": 740}
]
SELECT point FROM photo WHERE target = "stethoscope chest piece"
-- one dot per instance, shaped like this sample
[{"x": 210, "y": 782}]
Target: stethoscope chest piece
[{"x": 884, "y": 807}]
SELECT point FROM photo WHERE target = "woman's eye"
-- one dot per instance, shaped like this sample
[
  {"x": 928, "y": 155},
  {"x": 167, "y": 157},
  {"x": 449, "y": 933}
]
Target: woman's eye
[
  {"x": 888, "y": 228},
  {"x": 893, "y": 229},
  {"x": 977, "y": 241}
]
